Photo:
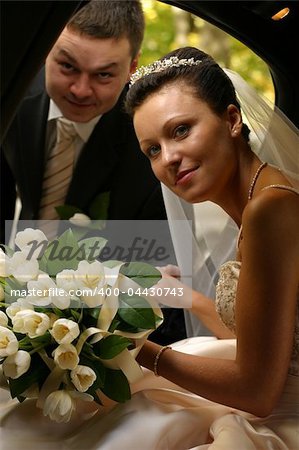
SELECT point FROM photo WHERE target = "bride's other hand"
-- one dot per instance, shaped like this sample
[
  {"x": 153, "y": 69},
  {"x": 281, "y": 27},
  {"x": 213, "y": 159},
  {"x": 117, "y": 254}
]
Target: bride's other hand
[
  {"x": 179, "y": 295},
  {"x": 170, "y": 291},
  {"x": 170, "y": 270}
]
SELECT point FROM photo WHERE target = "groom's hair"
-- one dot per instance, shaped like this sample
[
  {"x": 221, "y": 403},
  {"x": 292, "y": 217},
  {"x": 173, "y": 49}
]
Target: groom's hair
[{"x": 102, "y": 19}]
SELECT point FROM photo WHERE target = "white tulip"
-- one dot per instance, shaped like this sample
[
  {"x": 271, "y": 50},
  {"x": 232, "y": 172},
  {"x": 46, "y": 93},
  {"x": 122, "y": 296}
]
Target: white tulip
[
  {"x": 80, "y": 219},
  {"x": 3, "y": 319},
  {"x": 44, "y": 292},
  {"x": 91, "y": 282},
  {"x": 30, "y": 322},
  {"x": 59, "y": 406},
  {"x": 66, "y": 280},
  {"x": 8, "y": 342},
  {"x": 17, "y": 364},
  {"x": 22, "y": 268},
  {"x": 5, "y": 268},
  {"x": 83, "y": 377},
  {"x": 17, "y": 306},
  {"x": 66, "y": 356},
  {"x": 64, "y": 331},
  {"x": 29, "y": 235}
]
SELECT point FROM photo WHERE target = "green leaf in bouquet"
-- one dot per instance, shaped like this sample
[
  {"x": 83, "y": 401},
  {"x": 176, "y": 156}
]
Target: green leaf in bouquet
[
  {"x": 92, "y": 247},
  {"x": 116, "y": 386},
  {"x": 77, "y": 315},
  {"x": 37, "y": 373},
  {"x": 142, "y": 273},
  {"x": 9, "y": 251},
  {"x": 41, "y": 341},
  {"x": 111, "y": 263},
  {"x": 63, "y": 253},
  {"x": 90, "y": 317},
  {"x": 115, "y": 323},
  {"x": 93, "y": 312},
  {"x": 58, "y": 312},
  {"x": 24, "y": 342},
  {"x": 119, "y": 324},
  {"x": 111, "y": 346},
  {"x": 136, "y": 311}
]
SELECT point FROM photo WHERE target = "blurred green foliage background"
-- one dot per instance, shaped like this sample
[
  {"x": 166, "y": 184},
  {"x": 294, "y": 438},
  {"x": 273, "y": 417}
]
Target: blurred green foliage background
[{"x": 168, "y": 27}]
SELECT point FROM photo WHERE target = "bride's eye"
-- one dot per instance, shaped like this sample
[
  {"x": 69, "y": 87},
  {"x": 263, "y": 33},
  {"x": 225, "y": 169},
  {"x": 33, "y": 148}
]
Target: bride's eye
[
  {"x": 153, "y": 150},
  {"x": 181, "y": 131}
]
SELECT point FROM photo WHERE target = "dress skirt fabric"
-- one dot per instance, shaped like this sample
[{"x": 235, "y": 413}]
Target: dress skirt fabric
[{"x": 160, "y": 416}]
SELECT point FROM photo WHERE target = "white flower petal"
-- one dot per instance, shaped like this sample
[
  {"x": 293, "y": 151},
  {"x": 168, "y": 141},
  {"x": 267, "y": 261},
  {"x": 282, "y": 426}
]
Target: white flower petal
[
  {"x": 5, "y": 266},
  {"x": 3, "y": 319},
  {"x": 83, "y": 377},
  {"x": 64, "y": 331},
  {"x": 30, "y": 322},
  {"x": 23, "y": 238},
  {"x": 8, "y": 342},
  {"x": 22, "y": 268},
  {"x": 66, "y": 356},
  {"x": 59, "y": 406},
  {"x": 17, "y": 364},
  {"x": 81, "y": 220}
]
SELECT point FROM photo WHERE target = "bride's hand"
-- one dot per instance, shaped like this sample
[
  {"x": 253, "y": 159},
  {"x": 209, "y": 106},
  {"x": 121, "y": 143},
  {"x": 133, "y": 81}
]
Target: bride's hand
[{"x": 169, "y": 291}]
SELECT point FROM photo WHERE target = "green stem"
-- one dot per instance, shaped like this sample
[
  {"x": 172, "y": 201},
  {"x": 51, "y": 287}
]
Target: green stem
[{"x": 36, "y": 349}]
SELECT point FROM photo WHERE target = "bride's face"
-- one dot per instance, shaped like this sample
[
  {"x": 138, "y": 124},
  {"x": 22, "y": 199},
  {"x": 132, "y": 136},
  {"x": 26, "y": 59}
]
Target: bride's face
[{"x": 189, "y": 146}]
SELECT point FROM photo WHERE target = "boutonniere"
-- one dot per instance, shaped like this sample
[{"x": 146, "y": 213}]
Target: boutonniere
[{"x": 98, "y": 209}]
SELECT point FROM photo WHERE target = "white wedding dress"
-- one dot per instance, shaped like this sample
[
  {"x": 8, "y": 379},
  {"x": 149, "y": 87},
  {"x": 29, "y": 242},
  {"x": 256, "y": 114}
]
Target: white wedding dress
[{"x": 161, "y": 415}]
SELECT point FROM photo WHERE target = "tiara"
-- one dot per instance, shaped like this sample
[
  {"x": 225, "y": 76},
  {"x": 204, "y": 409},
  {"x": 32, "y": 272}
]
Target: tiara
[{"x": 161, "y": 65}]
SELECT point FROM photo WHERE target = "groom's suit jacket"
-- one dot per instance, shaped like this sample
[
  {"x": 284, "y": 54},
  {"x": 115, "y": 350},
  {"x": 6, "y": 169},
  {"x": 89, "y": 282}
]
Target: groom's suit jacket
[{"x": 110, "y": 161}]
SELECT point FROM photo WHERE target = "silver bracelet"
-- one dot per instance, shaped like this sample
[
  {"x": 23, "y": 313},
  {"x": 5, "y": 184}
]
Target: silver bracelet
[{"x": 157, "y": 358}]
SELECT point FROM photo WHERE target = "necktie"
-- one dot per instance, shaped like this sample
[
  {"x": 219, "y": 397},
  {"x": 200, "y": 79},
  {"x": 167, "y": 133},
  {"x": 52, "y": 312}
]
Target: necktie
[{"x": 58, "y": 171}]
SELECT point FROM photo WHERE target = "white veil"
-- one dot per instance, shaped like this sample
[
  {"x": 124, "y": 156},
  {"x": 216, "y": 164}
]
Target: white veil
[{"x": 213, "y": 233}]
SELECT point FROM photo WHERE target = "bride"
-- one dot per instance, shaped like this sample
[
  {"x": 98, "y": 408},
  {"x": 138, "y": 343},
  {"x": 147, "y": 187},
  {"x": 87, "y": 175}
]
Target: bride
[{"x": 240, "y": 391}]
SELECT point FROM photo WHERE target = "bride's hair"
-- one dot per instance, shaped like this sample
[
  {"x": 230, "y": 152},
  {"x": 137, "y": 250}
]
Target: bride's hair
[{"x": 207, "y": 79}]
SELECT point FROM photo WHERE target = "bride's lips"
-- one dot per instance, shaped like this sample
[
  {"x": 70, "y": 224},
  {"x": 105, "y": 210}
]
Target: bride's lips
[{"x": 184, "y": 176}]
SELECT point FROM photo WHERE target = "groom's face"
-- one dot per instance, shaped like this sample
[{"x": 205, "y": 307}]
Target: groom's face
[{"x": 85, "y": 75}]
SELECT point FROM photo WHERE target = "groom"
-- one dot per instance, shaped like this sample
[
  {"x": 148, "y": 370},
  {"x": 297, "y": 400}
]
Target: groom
[{"x": 85, "y": 81}]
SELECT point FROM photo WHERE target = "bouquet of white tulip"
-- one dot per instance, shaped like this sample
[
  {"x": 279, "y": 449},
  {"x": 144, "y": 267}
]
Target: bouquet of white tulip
[{"x": 71, "y": 326}]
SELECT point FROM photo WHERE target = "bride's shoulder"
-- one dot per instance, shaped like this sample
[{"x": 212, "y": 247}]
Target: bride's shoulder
[{"x": 273, "y": 210}]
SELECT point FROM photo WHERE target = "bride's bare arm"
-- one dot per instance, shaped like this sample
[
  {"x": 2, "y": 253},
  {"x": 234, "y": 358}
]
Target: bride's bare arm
[{"x": 265, "y": 316}]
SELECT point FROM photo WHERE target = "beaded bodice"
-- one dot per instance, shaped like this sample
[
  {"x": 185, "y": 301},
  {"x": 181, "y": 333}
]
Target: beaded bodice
[{"x": 226, "y": 291}]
